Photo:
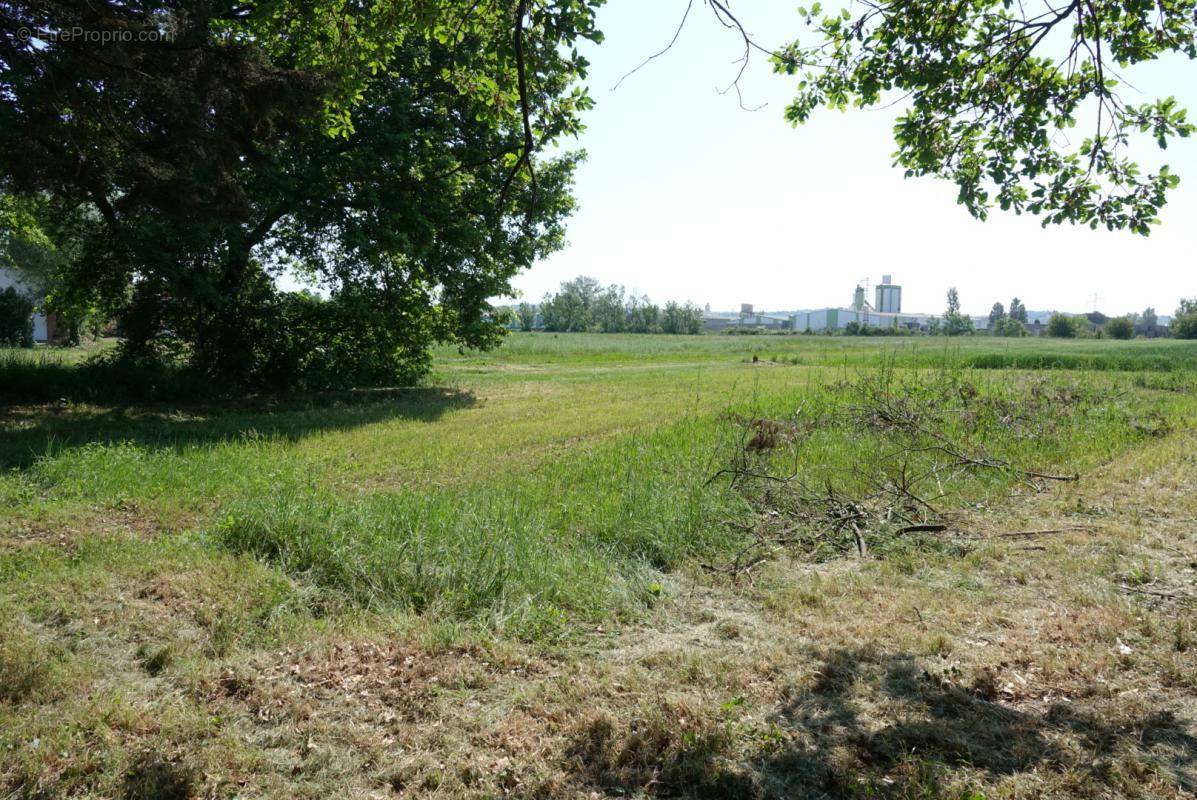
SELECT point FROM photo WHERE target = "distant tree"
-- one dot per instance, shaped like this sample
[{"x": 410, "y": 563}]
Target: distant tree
[
  {"x": 25, "y": 247},
  {"x": 1150, "y": 319},
  {"x": 1062, "y": 326},
  {"x": 571, "y": 308},
  {"x": 1119, "y": 328},
  {"x": 1009, "y": 327},
  {"x": 526, "y": 314},
  {"x": 855, "y": 328},
  {"x": 609, "y": 314},
  {"x": 1184, "y": 321},
  {"x": 584, "y": 304},
  {"x": 1018, "y": 311},
  {"x": 643, "y": 315},
  {"x": 40, "y": 239},
  {"x": 997, "y": 312},
  {"x": 681, "y": 319},
  {"x": 561, "y": 315},
  {"x": 1097, "y": 318},
  {"x": 955, "y": 323}
]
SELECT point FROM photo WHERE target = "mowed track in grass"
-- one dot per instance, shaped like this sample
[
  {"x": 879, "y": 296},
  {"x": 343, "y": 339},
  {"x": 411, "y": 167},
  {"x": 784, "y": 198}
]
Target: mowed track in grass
[{"x": 152, "y": 558}]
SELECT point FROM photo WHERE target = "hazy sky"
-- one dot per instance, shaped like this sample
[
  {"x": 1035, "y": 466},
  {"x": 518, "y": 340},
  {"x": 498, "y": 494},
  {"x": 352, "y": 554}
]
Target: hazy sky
[{"x": 687, "y": 197}]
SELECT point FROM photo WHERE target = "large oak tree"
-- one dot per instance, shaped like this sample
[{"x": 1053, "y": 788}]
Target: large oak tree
[{"x": 389, "y": 150}]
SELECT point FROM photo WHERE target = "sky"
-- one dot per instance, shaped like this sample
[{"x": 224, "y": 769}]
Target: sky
[{"x": 685, "y": 196}]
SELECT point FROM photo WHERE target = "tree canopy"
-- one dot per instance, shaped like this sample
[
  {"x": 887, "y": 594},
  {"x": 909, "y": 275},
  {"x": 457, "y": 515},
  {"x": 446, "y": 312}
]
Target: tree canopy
[
  {"x": 992, "y": 87},
  {"x": 1018, "y": 311},
  {"x": 991, "y": 90},
  {"x": 1009, "y": 327},
  {"x": 584, "y": 304},
  {"x": 391, "y": 153}
]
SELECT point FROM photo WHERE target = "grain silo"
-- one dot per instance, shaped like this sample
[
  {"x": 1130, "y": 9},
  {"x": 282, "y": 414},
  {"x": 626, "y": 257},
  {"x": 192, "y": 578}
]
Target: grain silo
[{"x": 889, "y": 296}]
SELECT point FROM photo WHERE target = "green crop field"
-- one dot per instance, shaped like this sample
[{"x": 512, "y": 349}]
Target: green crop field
[{"x": 612, "y": 565}]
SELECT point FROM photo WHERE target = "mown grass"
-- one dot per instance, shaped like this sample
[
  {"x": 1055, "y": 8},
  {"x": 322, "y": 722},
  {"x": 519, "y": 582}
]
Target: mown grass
[{"x": 149, "y": 553}]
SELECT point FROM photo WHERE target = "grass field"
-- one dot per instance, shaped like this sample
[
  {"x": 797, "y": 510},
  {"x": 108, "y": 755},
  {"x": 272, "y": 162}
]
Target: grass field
[{"x": 589, "y": 566}]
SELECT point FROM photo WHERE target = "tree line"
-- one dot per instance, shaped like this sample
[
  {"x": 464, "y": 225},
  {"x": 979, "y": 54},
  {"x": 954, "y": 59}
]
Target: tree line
[
  {"x": 1013, "y": 322},
  {"x": 584, "y": 304}
]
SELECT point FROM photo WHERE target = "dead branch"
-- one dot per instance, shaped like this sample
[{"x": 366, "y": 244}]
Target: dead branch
[
  {"x": 662, "y": 51},
  {"x": 1045, "y": 532},
  {"x": 1164, "y": 595}
]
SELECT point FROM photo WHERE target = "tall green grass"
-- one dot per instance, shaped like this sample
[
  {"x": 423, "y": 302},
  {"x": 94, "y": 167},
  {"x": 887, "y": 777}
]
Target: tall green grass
[
  {"x": 587, "y": 535},
  {"x": 581, "y": 538}
]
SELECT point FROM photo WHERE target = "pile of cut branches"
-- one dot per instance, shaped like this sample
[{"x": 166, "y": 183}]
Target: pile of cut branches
[{"x": 916, "y": 450}]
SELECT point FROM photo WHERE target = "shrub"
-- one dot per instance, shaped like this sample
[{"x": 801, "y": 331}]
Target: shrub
[
  {"x": 288, "y": 341},
  {"x": 299, "y": 343},
  {"x": 1062, "y": 326},
  {"x": 1120, "y": 328},
  {"x": 16, "y": 319},
  {"x": 855, "y": 328},
  {"x": 1009, "y": 327}
]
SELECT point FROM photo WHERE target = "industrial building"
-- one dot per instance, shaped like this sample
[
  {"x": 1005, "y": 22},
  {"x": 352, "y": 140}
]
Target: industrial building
[
  {"x": 884, "y": 311},
  {"x": 839, "y": 318},
  {"x": 889, "y": 296}
]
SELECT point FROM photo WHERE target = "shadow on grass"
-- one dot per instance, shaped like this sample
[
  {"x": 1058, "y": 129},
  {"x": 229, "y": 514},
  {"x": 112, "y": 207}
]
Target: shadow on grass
[
  {"x": 152, "y": 778},
  {"x": 882, "y": 726},
  {"x": 30, "y": 432}
]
